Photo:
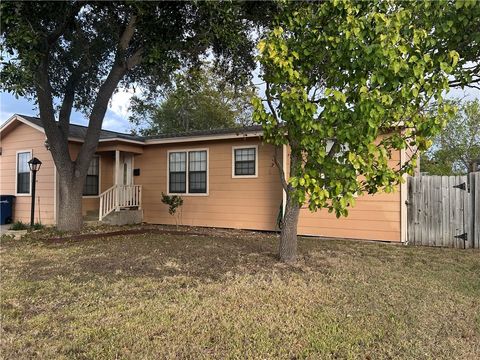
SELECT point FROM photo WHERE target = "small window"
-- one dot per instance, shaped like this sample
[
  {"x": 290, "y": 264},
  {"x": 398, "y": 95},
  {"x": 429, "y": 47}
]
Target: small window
[
  {"x": 245, "y": 162},
  {"x": 193, "y": 163},
  {"x": 91, "y": 186},
  {"x": 23, "y": 172}
]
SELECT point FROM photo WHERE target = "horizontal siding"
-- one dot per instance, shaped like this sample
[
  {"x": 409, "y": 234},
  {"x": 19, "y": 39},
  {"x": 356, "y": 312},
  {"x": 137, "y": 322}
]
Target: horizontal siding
[
  {"x": 251, "y": 203},
  {"x": 231, "y": 203},
  {"x": 24, "y": 137},
  {"x": 374, "y": 217}
]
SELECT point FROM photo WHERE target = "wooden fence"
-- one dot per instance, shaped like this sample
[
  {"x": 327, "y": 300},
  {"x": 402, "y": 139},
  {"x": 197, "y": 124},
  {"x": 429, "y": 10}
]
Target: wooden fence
[{"x": 444, "y": 211}]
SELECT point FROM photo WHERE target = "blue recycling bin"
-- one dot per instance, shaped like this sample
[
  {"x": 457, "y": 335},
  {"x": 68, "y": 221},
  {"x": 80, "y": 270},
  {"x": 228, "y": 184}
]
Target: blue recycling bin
[{"x": 6, "y": 209}]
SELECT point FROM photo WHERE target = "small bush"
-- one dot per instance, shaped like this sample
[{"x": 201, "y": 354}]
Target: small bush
[
  {"x": 38, "y": 226},
  {"x": 174, "y": 202},
  {"x": 18, "y": 225}
]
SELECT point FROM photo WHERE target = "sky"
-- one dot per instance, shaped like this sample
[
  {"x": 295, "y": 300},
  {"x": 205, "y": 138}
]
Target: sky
[
  {"x": 117, "y": 115},
  {"x": 116, "y": 118}
]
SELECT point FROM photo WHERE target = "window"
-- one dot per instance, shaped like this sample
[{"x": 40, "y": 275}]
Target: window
[
  {"x": 245, "y": 162},
  {"x": 23, "y": 172},
  {"x": 197, "y": 172},
  {"x": 178, "y": 172},
  {"x": 91, "y": 186},
  {"x": 192, "y": 162}
]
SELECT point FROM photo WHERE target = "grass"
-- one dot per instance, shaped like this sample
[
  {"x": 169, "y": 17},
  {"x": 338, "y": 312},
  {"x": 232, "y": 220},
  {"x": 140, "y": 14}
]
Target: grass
[{"x": 166, "y": 296}]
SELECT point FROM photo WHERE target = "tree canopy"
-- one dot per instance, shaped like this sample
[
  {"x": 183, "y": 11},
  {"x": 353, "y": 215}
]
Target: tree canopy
[
  {"x": 76, "y": 54},
  {"x": 347, "y": 85},
  {"x": 456, "y": 150},
  {"x": 200, "y": 99}
]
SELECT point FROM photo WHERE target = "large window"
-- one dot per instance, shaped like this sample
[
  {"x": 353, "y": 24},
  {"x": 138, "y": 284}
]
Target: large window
[
  {"x": 23, "y": 172},
  {"x": 245, "y": 161},
  {"x": 92, "y": 182},
  {"x": 192, "y": 162}
]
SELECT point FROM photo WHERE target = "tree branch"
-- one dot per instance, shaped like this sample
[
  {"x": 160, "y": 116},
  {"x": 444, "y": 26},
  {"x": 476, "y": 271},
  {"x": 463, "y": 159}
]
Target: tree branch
[
  {"x": 119, "y": 68},
  {"x": 69, "y": 18},
  {"x": 333, "y": 149},
  {"x": 58, "y": 141},
  {"x": 127, "y": 34},
  {"x": 281, "y": 172},
  {"x": 135, "y": 59},
  {"x": 270, "y": 104}
]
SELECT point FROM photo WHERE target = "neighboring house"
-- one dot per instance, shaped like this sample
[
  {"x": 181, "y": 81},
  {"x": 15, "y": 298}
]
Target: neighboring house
[{"x": 227, "y": 179}]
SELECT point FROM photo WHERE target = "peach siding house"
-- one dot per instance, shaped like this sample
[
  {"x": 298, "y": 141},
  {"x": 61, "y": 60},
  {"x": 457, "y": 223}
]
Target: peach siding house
[{"x": 227, "y": 179}]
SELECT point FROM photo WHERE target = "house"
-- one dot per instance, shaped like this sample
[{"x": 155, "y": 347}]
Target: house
[{"x": 227, "y": 179}]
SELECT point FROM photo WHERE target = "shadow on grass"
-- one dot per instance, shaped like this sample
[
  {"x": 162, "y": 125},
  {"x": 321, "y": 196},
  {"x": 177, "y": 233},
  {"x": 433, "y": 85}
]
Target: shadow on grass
[{"x": 156, "y": 256}]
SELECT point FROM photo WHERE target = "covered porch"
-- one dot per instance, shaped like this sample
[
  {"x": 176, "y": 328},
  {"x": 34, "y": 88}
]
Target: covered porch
[{"x": 117, "y": 163}]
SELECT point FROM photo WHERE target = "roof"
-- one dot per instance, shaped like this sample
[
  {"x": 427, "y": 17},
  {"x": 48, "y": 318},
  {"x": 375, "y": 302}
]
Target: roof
[
  {"x": 78, "y": 132},
  {"x": 236, "y": 130}
]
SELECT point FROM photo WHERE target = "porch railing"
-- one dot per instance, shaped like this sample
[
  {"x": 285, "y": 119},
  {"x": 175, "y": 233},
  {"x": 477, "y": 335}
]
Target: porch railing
[{"x": 119, "y": 196}]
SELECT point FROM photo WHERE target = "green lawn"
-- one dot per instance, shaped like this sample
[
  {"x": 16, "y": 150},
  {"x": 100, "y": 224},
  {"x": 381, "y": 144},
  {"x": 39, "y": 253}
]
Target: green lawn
[{"x": 165, "y": 296}]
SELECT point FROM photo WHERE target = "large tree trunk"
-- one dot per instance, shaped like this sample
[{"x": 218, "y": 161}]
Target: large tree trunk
[
  {"x": 72, "y": 173},
  {"x": 288, "y": 237},
  {"x": 69, "y": 216}
]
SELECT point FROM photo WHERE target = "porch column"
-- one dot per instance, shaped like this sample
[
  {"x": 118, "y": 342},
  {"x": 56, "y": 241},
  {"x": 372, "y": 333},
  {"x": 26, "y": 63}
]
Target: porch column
[{"x": 117, "y": 180}]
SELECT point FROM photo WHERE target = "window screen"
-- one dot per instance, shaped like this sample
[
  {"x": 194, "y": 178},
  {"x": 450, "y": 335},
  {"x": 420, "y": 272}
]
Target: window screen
[
  {"x": 177, "y": 172},
  {"x": 23, "y": 173},
  {"x": 197, "y": 172},
  {"x": 245, "y": 162},
  {"x": 91, "y": 186}
]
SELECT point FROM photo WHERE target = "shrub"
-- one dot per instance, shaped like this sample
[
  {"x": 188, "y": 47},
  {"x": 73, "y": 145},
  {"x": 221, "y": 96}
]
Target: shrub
[
  {"x": 18, "y": 225},
  {"x": 173, "y": 202},
  {"x": 38, "y": 226}
]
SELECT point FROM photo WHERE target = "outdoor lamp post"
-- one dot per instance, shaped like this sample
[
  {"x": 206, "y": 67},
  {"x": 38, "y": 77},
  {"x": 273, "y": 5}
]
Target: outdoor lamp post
[{"x": 34, "y": 165}]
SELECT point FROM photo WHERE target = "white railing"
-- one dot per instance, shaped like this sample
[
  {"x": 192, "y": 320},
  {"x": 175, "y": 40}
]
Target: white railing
[
  {"x": 129, "y": 196},
  {"x": 119, "y": 196}
]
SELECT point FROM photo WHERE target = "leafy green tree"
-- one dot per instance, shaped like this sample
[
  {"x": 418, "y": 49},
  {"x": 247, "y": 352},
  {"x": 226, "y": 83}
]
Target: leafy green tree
[
  {"x": 456, "y": 150},
  {"x": 76, "y": 54},
  {"x": 347, "y": 84},
  {"x": 200, "y": 100}
]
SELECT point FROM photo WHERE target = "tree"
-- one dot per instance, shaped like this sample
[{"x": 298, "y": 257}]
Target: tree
[
  {"x": 456, "y": 150},
  {"x": 76, "y": 54},
  {"x": 347, "y": 84},
  {"x": 200, "y": 100}
]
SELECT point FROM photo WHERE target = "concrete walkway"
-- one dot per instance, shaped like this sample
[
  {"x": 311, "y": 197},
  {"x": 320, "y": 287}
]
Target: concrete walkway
[{"x": 4, "y": 228}]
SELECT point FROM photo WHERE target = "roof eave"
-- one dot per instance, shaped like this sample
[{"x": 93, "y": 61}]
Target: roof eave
[{"x": 212, "y": 137}]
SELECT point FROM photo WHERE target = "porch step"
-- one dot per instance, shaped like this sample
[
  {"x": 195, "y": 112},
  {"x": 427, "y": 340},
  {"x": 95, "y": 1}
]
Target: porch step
[{"x": 124, "y": 217}]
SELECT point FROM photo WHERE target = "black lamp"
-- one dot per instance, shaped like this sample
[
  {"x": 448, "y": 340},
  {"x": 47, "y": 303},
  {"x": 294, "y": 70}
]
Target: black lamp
[{"x": 34, "y": 165}]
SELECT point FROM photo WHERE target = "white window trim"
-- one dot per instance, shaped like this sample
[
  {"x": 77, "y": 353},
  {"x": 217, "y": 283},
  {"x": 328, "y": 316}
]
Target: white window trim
[
  {"x": 233, "y": 162},
  {"x": 186, "y": 193},
  {"x": 99, "y": 180},
  {"x": 16, "y": 173}
]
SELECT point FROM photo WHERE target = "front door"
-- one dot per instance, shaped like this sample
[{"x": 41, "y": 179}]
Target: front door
[
  {"x": 126, "y": 171},
  {"x": 125, "y": 179}
]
